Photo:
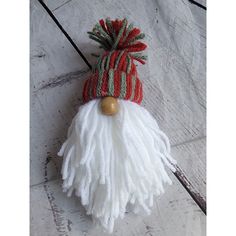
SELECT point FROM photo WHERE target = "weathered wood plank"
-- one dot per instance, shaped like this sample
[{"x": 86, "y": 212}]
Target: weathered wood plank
[
  {"x": 50, "y": 53},
  {"x": 175, "y": 213},
  {"x": 55, "y": 5},
  {"x": 52, "y": 110},
  {"x": 50, "y": 13},
  {"x": 191, "y": 159}
]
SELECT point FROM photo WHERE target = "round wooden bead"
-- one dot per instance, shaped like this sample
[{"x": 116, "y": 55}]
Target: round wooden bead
[{"x": 109, "y": 106}]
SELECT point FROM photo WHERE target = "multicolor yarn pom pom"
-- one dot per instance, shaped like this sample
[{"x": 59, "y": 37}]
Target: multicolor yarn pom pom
[{"x": 118, "y": 35}]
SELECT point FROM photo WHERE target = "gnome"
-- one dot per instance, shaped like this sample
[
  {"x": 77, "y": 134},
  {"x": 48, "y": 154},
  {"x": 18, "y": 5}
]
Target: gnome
[{"x": 115, "y": 153}]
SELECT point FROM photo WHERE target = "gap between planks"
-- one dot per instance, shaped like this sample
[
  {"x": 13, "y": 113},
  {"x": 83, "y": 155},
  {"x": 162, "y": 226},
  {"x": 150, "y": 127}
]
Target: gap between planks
[
  {"x": 198, "y": 199},
  {"x": 198, "y": 4},
  {"x": 65, "y": 33}
]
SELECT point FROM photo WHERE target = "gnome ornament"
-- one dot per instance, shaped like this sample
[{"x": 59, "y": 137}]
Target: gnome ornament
[{"x": 115, "y": 153}]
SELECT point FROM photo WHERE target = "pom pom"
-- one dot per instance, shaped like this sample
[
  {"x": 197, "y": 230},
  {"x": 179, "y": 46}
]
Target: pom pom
[{"x": 118, "y": 35}]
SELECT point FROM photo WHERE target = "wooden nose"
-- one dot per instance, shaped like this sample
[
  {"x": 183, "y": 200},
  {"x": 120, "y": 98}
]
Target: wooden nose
[{"x": 109, "y": 106}]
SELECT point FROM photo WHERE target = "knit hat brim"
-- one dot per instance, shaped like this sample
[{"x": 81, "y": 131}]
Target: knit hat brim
[{"x": 113, "y": 83}]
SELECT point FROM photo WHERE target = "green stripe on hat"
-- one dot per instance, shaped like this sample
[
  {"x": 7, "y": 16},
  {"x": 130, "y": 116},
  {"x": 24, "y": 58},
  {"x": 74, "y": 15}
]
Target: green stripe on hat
[
  {"x": 133, "y": 88},
  {"x": 111, "y": 82},
  {"x": 129, "y": 64},
  {"x": 118, "y": 59},
  {"x": 100, "y": 76},
  {"x": 108, "y": 60},
  {"x": 123, "y": 85}
]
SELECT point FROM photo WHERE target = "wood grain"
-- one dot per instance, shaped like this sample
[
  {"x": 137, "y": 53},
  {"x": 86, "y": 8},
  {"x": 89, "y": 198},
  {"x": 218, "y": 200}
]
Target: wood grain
[
  {"x": 191, "y": 159},
  {"x": 51, "y": 55}
]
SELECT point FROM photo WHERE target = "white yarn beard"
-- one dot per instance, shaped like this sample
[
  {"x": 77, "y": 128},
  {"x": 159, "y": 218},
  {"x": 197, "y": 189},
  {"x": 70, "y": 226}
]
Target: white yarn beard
[{"x": 113, "y": 161}]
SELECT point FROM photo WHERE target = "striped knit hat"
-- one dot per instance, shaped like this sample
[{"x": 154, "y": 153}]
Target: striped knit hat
[{"x": 115, "y": 73}]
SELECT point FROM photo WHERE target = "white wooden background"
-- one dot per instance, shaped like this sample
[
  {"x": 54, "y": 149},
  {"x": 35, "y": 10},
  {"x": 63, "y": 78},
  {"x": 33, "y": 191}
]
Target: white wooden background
[{"x": 174, "y": 92}]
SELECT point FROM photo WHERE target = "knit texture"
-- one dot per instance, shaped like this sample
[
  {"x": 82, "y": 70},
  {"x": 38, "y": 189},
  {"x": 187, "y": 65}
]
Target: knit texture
[{"x": 115, "y": 73}]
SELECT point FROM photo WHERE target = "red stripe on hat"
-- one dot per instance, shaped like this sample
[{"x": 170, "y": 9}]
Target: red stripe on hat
[
  {"x": 133, "y": 33},
  {"x": 117, "y": 83},
  {"x": 140, "y": 94},
  {"x": 137, "y": 47},
  {"x": 128, "y": 87},
  {"x": 139, "y": 90},
  {"x": 90, "y": 83},
  {"x": 104, "y": 84},
  {"x": 113, "y": 58},
  {"x": 85, "y": 91},
  {"x": 116, "y": 27},
  {"x": 125, "y": 64},
  {"x": 140, "y": 60},
  {"x": 122, "y": 61},
  {"x": 122, "y": 36},
  {"x": 102, "y": 23},
  {"x": 95, "y": 84},
  {"x": 136, "y": 90},
  {"x": 133, "y": 68}
]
